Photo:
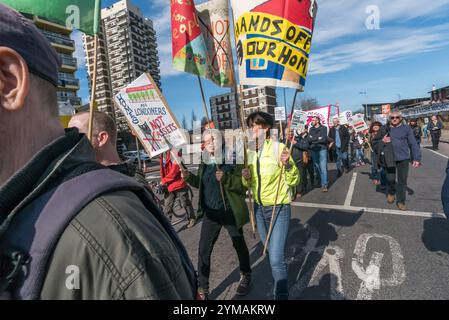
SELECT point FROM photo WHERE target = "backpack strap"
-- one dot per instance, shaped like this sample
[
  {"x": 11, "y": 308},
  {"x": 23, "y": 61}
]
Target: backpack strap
[{"x": 60, "y": 210}]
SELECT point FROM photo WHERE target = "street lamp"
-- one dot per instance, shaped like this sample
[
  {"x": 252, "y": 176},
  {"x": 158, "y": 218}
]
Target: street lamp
[{"x": 366, "y": 105}]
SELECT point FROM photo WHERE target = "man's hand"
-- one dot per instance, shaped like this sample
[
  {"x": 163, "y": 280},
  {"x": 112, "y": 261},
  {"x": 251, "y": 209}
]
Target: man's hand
[
  {"x": 386, "y": 139},
  {"x": 416, "y": 164},
  {"x": 246, "y": 174},
  {"x": 219, "y": 174},
  {"x": 185, "y": 174},
  {"x": 285, "y": 157},
  {"x": 330, "y": 145}
]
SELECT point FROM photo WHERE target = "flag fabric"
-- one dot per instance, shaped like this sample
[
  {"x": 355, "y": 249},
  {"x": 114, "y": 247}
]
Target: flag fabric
[
  {"x": 273, "y": 39},
  {"x": 188, "y": 47},
  {"x": 83, "y": 15},
  {"x": 214, "y": 20}
]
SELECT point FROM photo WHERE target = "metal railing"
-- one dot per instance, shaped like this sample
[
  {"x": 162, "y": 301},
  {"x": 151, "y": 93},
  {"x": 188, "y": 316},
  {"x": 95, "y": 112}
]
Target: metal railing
[{"x": 55, "y": 38}]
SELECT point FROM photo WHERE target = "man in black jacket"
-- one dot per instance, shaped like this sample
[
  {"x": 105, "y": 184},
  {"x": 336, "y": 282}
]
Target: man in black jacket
[
  {"x": 300, "y": 154},
  {"x": 318, "y": 140},
  {"x": 340, "y": 135}
]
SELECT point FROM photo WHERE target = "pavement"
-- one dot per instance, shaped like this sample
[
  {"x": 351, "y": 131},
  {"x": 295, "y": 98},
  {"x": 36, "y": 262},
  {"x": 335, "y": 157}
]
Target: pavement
[{"x": 350, "y": 243}]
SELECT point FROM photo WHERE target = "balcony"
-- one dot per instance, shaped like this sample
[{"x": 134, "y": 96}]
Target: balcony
[
  {"x": 69, "y": 84},
  {"x": 69, "y": 64},
  {"x": 61, "y": 44},
  {"x": 74, "y": 101},
  {"x": 46, "y": 24}
]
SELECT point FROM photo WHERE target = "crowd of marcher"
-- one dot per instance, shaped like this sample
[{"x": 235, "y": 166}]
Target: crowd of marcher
[{"x": 87, "y": 208}]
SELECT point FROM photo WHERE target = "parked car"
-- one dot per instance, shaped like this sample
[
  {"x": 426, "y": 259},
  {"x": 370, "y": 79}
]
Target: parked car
[{"x": 132, "y": 157}]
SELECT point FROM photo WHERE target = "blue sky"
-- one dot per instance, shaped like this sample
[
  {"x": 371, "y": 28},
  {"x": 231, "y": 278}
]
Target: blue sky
[{"x": 404, "y": 58}]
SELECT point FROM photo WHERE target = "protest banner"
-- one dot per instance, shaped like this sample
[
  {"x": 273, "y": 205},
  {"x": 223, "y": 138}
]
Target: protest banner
[
  {"x": 323, "y": 113},
  {"x": 273, "y": 41},
  {"x": 299, "y": 120},
  {"x": 215, "y": 25},
  {"x": 386, "y": 109},
  {"x": 357, "y": 121},
  {"x": 279, "y": 114},
  {"x": 149, "y": 116},
  {"x": 382, "y": 118},
  {"x": 344, "y": 117}
]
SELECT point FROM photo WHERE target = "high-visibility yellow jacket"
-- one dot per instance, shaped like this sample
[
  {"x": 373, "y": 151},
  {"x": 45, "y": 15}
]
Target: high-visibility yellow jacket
[{"x": 265, "y": 167}]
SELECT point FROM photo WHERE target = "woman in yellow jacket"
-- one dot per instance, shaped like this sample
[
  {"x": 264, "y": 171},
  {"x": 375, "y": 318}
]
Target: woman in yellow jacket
[{"x": 265, "y": 168}]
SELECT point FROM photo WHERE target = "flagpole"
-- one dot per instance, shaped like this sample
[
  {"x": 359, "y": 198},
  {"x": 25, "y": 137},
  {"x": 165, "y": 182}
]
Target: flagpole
[
  {"x": 94, "y": 89},
  {"x": 208, "y": 121},
  {"x": 252, "y": 216}
]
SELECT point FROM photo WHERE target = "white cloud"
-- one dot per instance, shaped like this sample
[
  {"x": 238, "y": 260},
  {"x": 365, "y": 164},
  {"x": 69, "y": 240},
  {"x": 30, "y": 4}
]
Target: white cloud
[{"x": 77, "y": 36}]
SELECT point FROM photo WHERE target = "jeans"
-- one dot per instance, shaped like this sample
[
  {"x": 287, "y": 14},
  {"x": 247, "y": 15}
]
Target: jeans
[
  {"x": 170, "y": 200},
  {"x": 359, "y": 155},
  {"x": 400, "y": 187},
  {"x": 276, "y": 245},
  {"x": 341, "y": 159},
  {"x": 210, "y": 230},
  {"x": 319, "y": 158}
]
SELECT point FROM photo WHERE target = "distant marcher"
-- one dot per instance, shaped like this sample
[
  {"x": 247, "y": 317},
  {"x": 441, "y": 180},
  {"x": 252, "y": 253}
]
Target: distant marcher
[
  {"x": 174, "y": 187},
  {"x": 395, "y": 146},
  {"x": 357, "y": 143},
  {"x": 417, "y": 132},
  {"x": 301, "y": 156},
  {"x": 434, "y": 127},
  {"x": 340, "y": 135},
  {"x": 318, "y": 140}
]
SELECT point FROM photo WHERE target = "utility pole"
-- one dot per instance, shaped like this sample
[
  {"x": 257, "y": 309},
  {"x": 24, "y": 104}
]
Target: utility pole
[{"x": 365, "y": 93}]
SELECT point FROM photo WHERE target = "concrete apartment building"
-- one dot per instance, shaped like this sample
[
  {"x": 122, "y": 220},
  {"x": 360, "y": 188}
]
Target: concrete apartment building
[
  {"x": 59, "y": 37},
  {"x": 226, "y": 115},
  {"x": 127, "y": 48}
]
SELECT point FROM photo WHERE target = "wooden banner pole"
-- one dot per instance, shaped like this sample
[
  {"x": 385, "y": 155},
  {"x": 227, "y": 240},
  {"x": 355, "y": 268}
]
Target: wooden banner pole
[{"x": 208, "y": 122}]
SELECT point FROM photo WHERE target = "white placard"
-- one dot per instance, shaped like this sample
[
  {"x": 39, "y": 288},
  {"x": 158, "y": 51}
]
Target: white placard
[
  {"x": 280, "y": 114},
  {"x": 149, "y": 116}
]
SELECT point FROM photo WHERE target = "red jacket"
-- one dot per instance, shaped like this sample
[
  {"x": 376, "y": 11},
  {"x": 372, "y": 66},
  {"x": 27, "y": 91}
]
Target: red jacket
[{"x": 171, "y": 174}]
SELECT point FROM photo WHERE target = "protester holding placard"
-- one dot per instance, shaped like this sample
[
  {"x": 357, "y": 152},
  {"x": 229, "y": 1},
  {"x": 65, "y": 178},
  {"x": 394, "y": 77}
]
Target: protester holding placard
[
  {"x": 340, "y": 134},
  {"x": 272, "y": 175},
  {"x": 232, "y": 214}
]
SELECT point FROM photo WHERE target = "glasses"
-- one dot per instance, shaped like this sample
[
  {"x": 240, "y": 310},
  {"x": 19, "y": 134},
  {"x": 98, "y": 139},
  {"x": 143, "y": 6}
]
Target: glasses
[{"x": 395, "y": 118}]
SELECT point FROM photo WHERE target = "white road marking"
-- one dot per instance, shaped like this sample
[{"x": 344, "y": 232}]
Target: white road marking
[
  {"x": 365, "y": 209},
  {"x": 351, "y": 190},
  {"x": 442, "y": 155},
  {"x": 371, "y": 275}
]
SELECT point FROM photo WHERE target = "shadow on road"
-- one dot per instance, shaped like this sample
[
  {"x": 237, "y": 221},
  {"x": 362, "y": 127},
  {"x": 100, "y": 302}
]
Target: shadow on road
[
  {"x": 435, "y": 236},
  {"x": 307, "y": 245}
]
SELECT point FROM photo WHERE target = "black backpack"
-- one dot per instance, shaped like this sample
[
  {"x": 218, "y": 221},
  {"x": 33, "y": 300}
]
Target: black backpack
[{"x": 57, "y": 212}]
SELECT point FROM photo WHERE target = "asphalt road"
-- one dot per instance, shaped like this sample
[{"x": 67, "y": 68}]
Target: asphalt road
[{"x": 349, "y": 243}]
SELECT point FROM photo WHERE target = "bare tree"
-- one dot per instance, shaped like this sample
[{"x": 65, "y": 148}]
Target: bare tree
[
  {"x": 184, "y": 122},
  {"x": 306, "y": 103}
]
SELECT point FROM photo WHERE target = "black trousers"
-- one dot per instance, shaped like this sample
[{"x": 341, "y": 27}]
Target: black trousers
[
  {"x": 398, "y": 188},
  {"x": 183, "y": 196},
  {"x": 304, "y": 170},
  {"x": 210, "y": 230},
  {"x": 436, "y": 135}
]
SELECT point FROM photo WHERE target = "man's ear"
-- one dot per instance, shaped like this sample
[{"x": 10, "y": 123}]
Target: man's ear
[
  {"x": 14, "y": 80},
  {"x": 103, "y": 138}
]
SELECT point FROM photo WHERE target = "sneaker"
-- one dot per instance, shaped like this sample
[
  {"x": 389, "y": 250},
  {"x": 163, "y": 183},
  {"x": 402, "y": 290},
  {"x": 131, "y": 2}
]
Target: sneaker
[
  {"x": 202, "y": 294},
  {"x": 191, "y": 223},
  {"x": 324, "y": 189},
  {"x": 390, "y": 198},
  {"x": 401, "y": 206},
  {"x": 244, "y": 284}
]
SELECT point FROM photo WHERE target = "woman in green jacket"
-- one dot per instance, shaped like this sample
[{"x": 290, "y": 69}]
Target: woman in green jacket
[
  {"x": 269, "y": 162},
  {"x": 232, "y": 214}
]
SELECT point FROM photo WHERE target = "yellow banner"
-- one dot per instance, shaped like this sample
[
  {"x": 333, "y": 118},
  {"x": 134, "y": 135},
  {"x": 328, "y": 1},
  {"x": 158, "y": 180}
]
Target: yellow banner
[
  {"x": 277, "y": 52},
  {"x": 257, "y": 23}
]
